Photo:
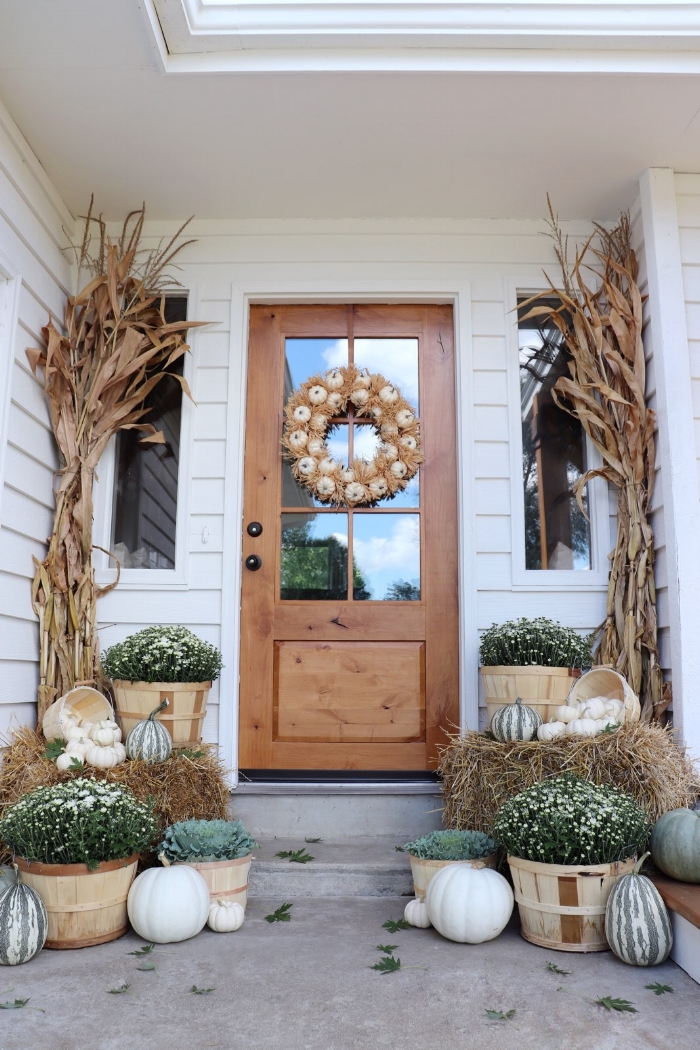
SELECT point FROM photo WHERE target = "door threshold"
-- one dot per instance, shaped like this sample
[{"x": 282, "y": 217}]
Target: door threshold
[{"x": 256, "y": 783}]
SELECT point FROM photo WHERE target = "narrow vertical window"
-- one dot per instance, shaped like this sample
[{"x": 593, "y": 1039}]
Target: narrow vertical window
[
  {"x": 144, "y": 518},
  {"x": 557, "y": 533}
]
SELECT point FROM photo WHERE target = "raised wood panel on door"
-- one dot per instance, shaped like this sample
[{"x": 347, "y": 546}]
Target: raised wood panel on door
[{"x": 393, "y": 711}]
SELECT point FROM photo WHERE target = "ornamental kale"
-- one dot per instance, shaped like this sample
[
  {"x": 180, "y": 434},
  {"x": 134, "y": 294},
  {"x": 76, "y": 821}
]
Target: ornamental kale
[
  {"x": 567, "y": 820},
  {"x": 82, "y": 821},
  {"x": 162, "y": 654},
  {"x": 541, "y": 642},
  {"x": 203, "y": 840},
  {"x": 451, "y": 845}
]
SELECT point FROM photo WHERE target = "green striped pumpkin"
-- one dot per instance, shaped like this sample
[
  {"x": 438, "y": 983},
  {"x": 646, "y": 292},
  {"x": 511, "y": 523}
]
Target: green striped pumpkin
[
  {"x": 516, "y": 722},
  {"x": 150, "y": 740},
  {"x": 23, "y": 924},
  {"x": 637, "y": 923}
]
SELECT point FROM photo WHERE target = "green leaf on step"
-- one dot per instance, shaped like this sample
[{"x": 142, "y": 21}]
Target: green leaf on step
[
  {"x": 118, "y": 991},
  {"x": 146, "y": 966},
  {"x": 389, "y": 964},
  {"x": 659, "y": 989},
  {"x": 281, "y": 915},
  {"x": 386, "y": 948},
  {"x": 553, "y": 968},
  {"x": 622, "y": 1005},
  {"x": 194, "y": 990},
  {"x": 499, "y": 1015},
  {"x": 399, "y": 849},
  {"x": 299, "y": 856},
  {"x": 186, "y": 752},
  {"x": 18, "y": 1004},
  {"x": 394, "y": 925},
  {"x": 313, "y": 840},
  {"x": 145, "y": 949}
]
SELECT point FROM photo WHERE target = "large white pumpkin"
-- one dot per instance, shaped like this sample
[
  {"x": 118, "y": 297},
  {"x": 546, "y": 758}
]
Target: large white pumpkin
[
  {"x": 168, "y": 904},
  {"x": 469, "y": 905}
]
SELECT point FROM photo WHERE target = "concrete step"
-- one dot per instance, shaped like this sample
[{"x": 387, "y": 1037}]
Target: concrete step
[
  {"x": 359, "y": 867},
  {"x": 338, "y": 812}
]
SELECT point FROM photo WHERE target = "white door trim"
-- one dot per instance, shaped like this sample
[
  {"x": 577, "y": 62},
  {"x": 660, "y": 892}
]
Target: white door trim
[{"x": 458, "y": 294}]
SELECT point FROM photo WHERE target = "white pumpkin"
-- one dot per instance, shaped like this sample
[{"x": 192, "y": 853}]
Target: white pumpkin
[
  {"x": 390, "y": 451},
  {"x": 408, "y": 441},
  {"x": 334, "y": 379},
  {"x": 317, "y": 394},
  {"x": 66, "y": 760},
  {"x": 378, "y": 488},
  {"x": 315, "y": 446},
  {"x": 615, "y": 709},
  {"x": 298, "y": 439},
  {"x": 398, "y": 469},
  {"x": 469, "y": 905},
  {"x": 335, "y": 399},
  {"x": 225, "y": 916},
  {"x": 102, "y": 757},
  {"x": 121, "y": 751},
  {"x": 307, "y": 466},
  {"x": 327, "y": 465},
  {"x": 360, "y": 396},
  {"x": 325, "y": 487},
  {"x": 347, "y": 476},
  {"x": 319, "y": 421},
  {"x": 551, "y": 730},
  {"x": 404, "y": 418},
  {"x": 354, "y": 492},
  {"x": 582, "y": 727},
  {"x": 302, "y": 414},
  {"x": 603, "y": 723},
  {"x": 168, "y": 904},
  {"x": 77, "y": 748},
  {"x": 416, "y": 914},
  {"x": 363, "y": 379},
  {"x": 388, "y": 394},
  {"x": 76, "y": 733},
  {"x": 389, "y": 430},
  {"x": 566, "y": 714},
  {"x": 594, "y": 708},
  {"x": 103, "y": 737}
]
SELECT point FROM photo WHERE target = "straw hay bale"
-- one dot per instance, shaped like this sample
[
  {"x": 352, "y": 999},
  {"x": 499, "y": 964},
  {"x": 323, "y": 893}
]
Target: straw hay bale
[
  {"x": 479, "y": 773},
  {"x": 183, "y": 788}
]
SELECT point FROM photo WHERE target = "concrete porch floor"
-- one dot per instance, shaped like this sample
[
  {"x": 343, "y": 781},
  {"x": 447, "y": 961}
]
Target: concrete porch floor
[{"x": 306, "y": 985}]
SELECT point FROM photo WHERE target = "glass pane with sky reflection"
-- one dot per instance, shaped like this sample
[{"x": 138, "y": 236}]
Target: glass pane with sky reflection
[
  {"x": 395, "y": 359},
  {"x": 386, "y": 555},
  {"x": 314, "y": 557}
]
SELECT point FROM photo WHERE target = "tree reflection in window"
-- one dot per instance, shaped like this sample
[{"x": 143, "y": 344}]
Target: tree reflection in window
[
  {"x": 557, "y": 533},
  {"x": 315, "y": 567}
]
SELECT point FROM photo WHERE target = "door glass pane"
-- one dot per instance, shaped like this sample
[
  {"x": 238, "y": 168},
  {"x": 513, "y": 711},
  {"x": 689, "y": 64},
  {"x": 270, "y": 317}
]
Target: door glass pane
[
  {"x": 395, "y": 359},
  {"x": 296, "y": 495},
  {"x": 367, "y": 444},
  {"x": 314, "y": 557},
  {"x": 557, "y": 533},
  {"x": 306, "y": 357},
  {"x": 386, "y": 556}
]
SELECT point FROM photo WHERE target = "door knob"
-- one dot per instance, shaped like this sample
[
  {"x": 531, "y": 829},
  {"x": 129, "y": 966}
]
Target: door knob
[
  {"x": 253, "y": 562},
  {"x": 254, "y": 529}
]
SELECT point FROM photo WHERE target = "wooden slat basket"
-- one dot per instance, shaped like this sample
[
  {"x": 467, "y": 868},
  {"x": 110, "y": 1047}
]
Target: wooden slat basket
[
  {"x": 227, "y": 879},
  {"x": 84, "y": 907},
  {"x": 563, "y": 906},
  {"x": 183, "y": 717},
  {"x": 423, "y": 869},
  {"x": 542, "y": 688}
]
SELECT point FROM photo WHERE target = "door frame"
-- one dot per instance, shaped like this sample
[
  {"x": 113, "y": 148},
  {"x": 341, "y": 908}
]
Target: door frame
[{"x": 456, "y": 293}]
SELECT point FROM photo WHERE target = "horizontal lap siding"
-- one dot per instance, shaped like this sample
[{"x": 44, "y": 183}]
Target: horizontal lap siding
[
  {"x": 688, "y": 206},
  {"x": 31, "y": 221}
]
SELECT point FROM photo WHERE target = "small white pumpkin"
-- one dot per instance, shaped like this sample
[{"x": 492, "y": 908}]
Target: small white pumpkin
[
  {"x": 103, "y": 737},
  {"x": 335, "y": 399},
  {"x": 390, "y": 451},
  {"x": 327, "y": 465},
  {"x": 615, "y": 708},
  {"x": 566, "y": 714},
  {"x": 76, "y": 733},
  {"x": 408, "y": 441},
  {"x": 416, "y": 914},
  {"x": 102, "y": 757},
  {"x": 404, "y": 418},
  {"x": 378, "y": 488},
  {"x": 469, "y": 905},
  {"x": 298, "y": 439},
  {"x": 388, "y": 394},
  {"x": 168, "y": 904},
  {"x": 360, "y": 396},
  {"x": 582, "y": 727},
  {"x": 325, "y": 487},
  {"x": 347, "y": 476},
  {"x": 334, "y": 379},
  {"x": 315, "y": 446},
  {"x": 363, "y": 379},
  {"x": 319, "y": 421},
  {"x": 594, "y": 708},
  {"x": 398, "y": 469},
  {"x": 389, "y": 430},
  {"x": 307, "y": 466},
  {"x": 225, "y": 916},
  {"x": 354, "y": 492},
  {"x": 77, "y": 748},
  {"x": 121, "y": 751},
  {"x": 318, "y": 394},
  {"x": 551, "y": 730},
  {"x": 377, "y": 412},
  {"x": 66, "y": 760},
  {"x": 302, "y": 414}
]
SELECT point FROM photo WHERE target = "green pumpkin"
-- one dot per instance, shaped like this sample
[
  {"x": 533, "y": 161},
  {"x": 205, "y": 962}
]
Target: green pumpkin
[
  {"x": 150, "y": 740},
  {"x": 675, "y": 845},
  {"x": 24, "y": 924},
  {"x": 7, "y": 879},
  {"x": 637, "y": 923},
  {"x": 516, "y": 722}
]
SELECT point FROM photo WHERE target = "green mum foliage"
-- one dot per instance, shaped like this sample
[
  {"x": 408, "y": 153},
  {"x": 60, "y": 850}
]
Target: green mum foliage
[
  {"x": 540, "y": 642},
  {"x": 451, "y": 845},
  {"x": 162, "y": 654},
  {"x": 203, "y": 840}
]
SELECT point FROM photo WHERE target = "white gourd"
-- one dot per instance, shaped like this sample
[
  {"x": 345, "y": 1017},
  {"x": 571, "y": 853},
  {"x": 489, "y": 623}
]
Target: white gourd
[
  {"x": 604, "y": 722},
  {"x": 75, "y": 733},
  {"x": 225, "y": 916},
  {"x": 317, "y": 394},
  {"x": 66, "y": 760},
  {"x": 582, "y": 727},
  {"x": 416, "y": 914},
  {"x": 168, "y": 904},
  {"x": 615, "y": 708},
  {"x": 551, "y": 730},
  {"x": 77, "y": 748},
  {"x": 469, "y": 905},
  {"x": 24, "y": 924},
  {"x": 102, "y": 757},
  {"x": 594, "y": 708},
  {"x": 103, "y": 737},
  {"x": 566, "y": 714},
  {"x": 121, "y": 751}
]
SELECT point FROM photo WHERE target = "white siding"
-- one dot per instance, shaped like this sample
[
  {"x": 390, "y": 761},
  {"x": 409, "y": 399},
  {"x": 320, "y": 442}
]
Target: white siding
[
  {"x": 688, "y": 205},
  {"x": 306, "y": 260},
  {"x": 34, "y": 278}
]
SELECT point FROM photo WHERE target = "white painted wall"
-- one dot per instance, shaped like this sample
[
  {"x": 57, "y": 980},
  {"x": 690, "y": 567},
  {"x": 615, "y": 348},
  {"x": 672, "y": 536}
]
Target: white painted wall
[
  {"x": 34, "y": 278},
  {"x": 688, "y": 210},
  {"x": 477, "y": 265}
]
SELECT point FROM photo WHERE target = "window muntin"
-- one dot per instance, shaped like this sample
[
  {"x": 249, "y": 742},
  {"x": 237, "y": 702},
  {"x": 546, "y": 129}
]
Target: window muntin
[
  {"x": 144, "y": 515},
  {"x": 557, "y": 533}
]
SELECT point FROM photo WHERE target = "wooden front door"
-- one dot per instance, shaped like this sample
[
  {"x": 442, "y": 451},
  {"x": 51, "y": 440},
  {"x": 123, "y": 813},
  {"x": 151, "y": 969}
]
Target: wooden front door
[{"x": 349, "y": 628}]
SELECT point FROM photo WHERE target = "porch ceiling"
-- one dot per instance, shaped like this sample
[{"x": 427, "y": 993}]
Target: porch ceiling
[{"x": 86, "y": 86}]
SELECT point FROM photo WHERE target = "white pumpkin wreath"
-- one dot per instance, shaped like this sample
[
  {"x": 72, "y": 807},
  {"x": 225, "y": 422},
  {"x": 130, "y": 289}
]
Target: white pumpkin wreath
[{"x": 320, "y": 399}]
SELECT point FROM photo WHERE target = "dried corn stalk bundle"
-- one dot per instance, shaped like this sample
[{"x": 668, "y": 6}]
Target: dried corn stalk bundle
[
  {"x": 600, "y": 321},
  {"x": 115, "y": 349}
]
